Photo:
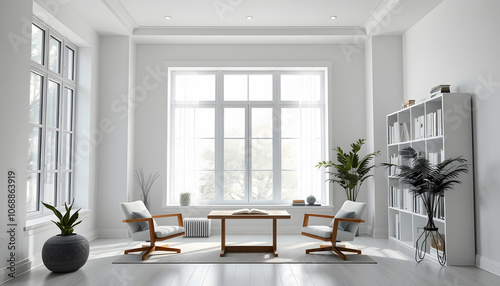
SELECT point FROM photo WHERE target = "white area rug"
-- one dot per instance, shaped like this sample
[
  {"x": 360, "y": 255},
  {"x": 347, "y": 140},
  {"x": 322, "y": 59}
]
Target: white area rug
[{"x": 207, "y": 252}]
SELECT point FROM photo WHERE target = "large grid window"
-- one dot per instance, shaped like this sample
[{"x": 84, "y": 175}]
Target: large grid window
[
  {"x": 246, "y": 137},
  {"x": 51, "y": 120}
]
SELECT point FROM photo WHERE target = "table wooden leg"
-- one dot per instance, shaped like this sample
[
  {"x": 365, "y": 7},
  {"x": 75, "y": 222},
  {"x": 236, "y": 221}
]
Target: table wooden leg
[
  {"x": 275, "y": 246},
  {"x": 222, "y": 237}
]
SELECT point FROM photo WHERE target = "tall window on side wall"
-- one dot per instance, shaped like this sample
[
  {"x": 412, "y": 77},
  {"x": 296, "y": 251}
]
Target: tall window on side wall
[
  {"x": 246, "y": 136},
  {"x": 51, "y": 120}
]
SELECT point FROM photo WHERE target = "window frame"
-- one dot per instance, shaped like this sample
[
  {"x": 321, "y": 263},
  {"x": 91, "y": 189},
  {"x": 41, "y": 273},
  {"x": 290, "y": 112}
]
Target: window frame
[
  {"x": 276, "y": 105},
  {"x": 60, "y": 196}
]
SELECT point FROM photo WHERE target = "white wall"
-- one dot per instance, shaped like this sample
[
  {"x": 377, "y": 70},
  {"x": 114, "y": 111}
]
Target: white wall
[
  {"x": 15, "y": 80},
  {"x": 346, "y": 97},
  {"x": 15, "y": 45},
  {"x": 384, "y": 94},
  {"x": 113, "y": 135},
  {"x": 458, "y": 44}
]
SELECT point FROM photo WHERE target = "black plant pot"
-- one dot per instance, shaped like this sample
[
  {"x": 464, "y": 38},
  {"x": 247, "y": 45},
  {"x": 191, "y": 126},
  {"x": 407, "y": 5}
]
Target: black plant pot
[{"x": 65, "y": 253}]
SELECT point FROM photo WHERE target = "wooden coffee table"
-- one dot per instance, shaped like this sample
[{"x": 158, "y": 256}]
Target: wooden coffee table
[{"x": 225, "y": 214}]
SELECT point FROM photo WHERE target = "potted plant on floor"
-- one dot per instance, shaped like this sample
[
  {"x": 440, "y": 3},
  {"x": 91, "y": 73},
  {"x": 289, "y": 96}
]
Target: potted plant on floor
[
  {"x": 68, "y": 251},
  {"x": 350, "y": 171},
  {"x": 429, "y": 182}
]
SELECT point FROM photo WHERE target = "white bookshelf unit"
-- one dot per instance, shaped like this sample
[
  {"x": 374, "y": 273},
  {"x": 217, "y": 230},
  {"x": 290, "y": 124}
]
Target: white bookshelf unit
[{"x": 438, "y": 128}]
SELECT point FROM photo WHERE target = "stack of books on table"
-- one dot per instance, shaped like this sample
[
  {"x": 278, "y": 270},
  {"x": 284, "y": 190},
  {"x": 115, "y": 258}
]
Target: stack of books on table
[
  {"x": 298, "y": 203},
  {"x": 442, "y": 88}
]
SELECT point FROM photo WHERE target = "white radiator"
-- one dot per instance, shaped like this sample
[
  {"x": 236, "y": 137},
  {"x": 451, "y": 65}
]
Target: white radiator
[{"x": 196, "y": 227}]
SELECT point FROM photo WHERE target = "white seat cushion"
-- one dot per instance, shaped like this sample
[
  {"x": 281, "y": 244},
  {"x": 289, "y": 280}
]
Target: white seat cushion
[
  {"x": 160, "y": 232},
  {"x": 326, "y": 232}
]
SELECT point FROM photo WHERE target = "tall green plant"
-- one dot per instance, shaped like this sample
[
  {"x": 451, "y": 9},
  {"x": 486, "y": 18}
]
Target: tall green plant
[
  {"x": 429, "y": 180},
  {"x": 350, "y": 171},
  {"x": 66, "y": 222}
]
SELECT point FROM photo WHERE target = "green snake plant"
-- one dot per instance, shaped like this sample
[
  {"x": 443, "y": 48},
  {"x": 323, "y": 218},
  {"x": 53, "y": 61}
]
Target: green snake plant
[{"x": 66, "y": 222}]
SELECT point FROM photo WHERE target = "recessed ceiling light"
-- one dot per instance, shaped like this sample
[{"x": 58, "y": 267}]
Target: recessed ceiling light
[
  {"x": 168, "y": 18},
  {"x": 249, "y": 17},
  {"x": 333, "y": 17}
]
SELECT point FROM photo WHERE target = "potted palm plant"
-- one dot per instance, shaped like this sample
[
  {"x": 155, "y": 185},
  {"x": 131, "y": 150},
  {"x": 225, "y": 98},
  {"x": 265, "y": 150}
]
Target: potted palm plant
[
  {"x": 68, "y": 251},
  {"x": 429, "y": 182},
  {"x": 350, "y": 171}
]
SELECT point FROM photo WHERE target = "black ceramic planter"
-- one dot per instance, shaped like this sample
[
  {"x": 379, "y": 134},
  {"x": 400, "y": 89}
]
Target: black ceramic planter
[{"x": 65, "y": 253}]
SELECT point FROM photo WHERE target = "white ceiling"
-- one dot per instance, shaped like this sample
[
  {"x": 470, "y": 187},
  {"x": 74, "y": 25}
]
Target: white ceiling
[
  {"x": 151, "y": 13},
  {"x": 274, "y": 21}
]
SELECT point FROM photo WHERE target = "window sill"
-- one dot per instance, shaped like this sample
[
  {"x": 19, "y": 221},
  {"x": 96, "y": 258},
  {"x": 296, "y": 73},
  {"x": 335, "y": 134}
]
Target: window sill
[
  {"x": 266, "y": 207},
  {"x": 43, "y": 222}
]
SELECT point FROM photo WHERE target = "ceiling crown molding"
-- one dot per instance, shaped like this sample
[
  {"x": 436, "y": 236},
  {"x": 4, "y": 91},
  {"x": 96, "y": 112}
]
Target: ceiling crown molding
[
  {"x": 395, "y": 17},
  {"x": 121, "y": 13},
  {"x": 249, "y": 31}
]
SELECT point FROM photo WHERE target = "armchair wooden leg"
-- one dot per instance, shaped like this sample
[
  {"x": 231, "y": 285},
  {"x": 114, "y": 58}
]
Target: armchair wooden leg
[
  {"x": 144, "y": 248},
  {"x": 165, "y": 248},
  {"x": 337, "y": 249},
  {"x": 334, "y": 249},
  {"x": 148, "y": 252},
  {"x": 349, "y": 250},
  {"x": 327, "y": 248}
]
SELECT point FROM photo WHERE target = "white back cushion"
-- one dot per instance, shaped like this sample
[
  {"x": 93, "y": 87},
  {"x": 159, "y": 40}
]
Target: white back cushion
[{"x": 128, "y": 208}]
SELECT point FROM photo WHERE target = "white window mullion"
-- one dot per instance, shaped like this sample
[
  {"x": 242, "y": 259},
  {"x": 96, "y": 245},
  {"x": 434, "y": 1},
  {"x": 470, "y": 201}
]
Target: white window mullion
[
  {"x": 248, "y": 155},
  {"x": 219, "y": 140},
  {"x": 276, "y": 139},
  {"x": 43, "y": 170}
]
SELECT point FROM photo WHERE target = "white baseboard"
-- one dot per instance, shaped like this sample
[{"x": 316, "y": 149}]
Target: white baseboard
[
  {"x": 117, "y": 232},
  {"x": 22, "y": 266},
  {"x": 378, "y": 232},
  {"x": 488, "y": 264},
  {"x": 91, "y": 235}
]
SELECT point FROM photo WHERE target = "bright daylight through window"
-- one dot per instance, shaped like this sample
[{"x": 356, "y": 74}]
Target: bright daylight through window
[
  {"x": 246, "y": 136},
  {"x": 51, "y": 119}
]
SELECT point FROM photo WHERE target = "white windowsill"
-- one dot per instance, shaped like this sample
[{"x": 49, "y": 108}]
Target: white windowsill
[
  {"x": 266, "y": 207},
  {"x": 46, "y": 220}
]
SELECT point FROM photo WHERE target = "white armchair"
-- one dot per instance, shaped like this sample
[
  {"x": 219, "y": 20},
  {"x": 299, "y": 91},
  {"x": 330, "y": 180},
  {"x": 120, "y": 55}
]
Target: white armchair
[
  {"x": 143, "y": 227},
  {"x": 342, "y": 228}
]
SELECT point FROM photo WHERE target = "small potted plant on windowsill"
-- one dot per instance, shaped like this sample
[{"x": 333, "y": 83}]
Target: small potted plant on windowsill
[{"x": 68, "y": 251}]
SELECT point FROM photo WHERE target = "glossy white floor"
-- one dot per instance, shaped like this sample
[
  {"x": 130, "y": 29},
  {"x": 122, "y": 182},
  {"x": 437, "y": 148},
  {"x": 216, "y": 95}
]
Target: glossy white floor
[{"x": 395, "y": 267}]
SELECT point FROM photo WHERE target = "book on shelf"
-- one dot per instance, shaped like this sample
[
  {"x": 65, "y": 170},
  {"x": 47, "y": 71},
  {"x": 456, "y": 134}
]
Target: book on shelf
[
  {"x": 434, "y": 123},
  {"x": 416, "y": 204},
  {"x": 418, "y": 123},
  {"x": 298, "y": 203},
  {"x": 393, "y": 159},
  {"x": 405, "y": 133},
  {"x": 442, "y": 88},
  {"x": 249, "y": 211},
  {"x": 436, "y": 157},
  {"x": 439, "y": 210},
  {"x": 407, "y": 200},
  {"x": 398, "y": 132},
  {"x": 396, "y": 226},
  {"x": 394, "y": 197}
]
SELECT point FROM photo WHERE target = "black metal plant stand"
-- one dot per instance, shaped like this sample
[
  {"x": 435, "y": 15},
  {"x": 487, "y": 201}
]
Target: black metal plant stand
[
  {"x": 421, "y": 246},
  {"x": 432, "y": 234}
]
